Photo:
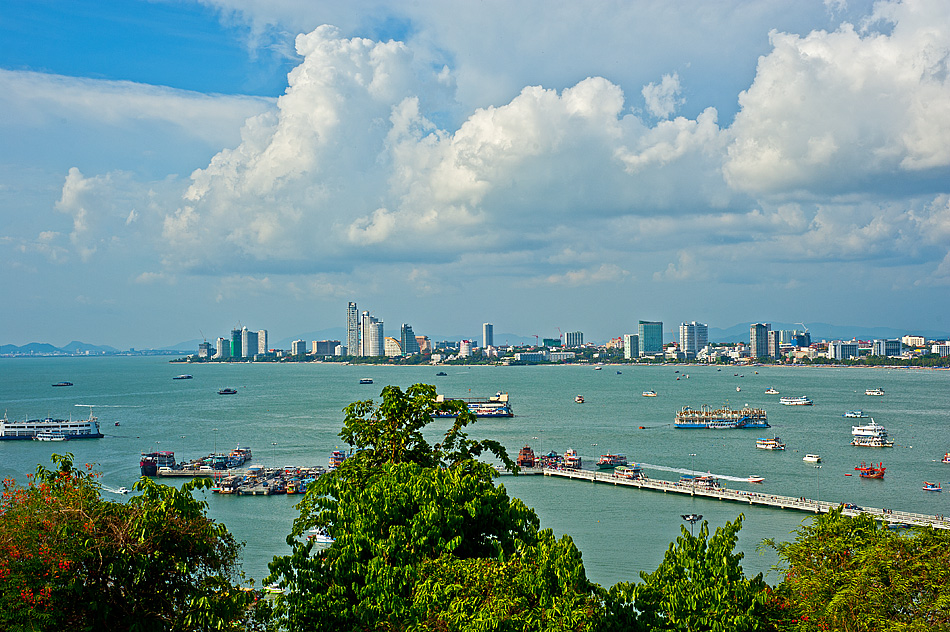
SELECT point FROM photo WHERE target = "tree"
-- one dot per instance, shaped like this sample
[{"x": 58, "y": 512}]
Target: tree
[
  {"x": 852, "y": 573},
  {"x": 407, "y": 518},
  {"x": 70, "y": 560},
  {"x": 699, "y": 586}
]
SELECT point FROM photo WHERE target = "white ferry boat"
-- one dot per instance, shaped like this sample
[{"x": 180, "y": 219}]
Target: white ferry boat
[
  {"x": 874, "y": 391},
  {"x": 870, "y": 436},
  {"x": 811, "y": 458},
  {"x": 495, "y": 406},
  {"x": 721, "y": 418},
  {"x": 774, "y": 443},
  {"x": 795, "y": 401},
  {"x": 856, "y": 414},
  {"x": 49, "y": 428},
  {"x": 771, "y": 391}
]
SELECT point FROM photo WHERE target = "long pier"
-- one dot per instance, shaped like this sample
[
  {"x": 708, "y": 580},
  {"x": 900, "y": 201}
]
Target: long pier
[{"x": 746, "y": 497}]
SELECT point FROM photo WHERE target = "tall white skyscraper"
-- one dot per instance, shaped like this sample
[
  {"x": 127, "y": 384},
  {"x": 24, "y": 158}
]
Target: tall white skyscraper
[
  {"x": 631, "y": 346},
  {"x": 372, "y": 340},
  {"x": 249, "y": 342},
  {"x": 262, "y": 342},
  {"x": 352, "y": 330},
  {"x": 488, "y": 335},
  {"x": 693, "y": 337}
]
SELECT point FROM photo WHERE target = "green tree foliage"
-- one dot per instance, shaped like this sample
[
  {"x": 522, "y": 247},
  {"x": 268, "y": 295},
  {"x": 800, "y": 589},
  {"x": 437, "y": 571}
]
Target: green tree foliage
[
  {"x": 699, "y": 586},
  {"x": 72, "y": 561},
  {"x": 409, "y": 518},
  {"x": 852, "y": 574}
]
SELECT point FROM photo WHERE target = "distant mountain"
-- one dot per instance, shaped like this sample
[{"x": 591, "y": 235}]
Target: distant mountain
[
  {"x": 824, "y": 331},
  {"x": 43, "y": 348},
  {"x": 81, "y": 347}
]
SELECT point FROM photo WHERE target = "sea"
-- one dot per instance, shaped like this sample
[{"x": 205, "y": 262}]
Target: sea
[{"x": 290, "y": 414}]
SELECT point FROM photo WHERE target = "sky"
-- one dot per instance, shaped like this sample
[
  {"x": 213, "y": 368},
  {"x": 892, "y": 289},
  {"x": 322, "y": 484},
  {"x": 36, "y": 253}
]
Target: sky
[{"x": 174, "y": 168}]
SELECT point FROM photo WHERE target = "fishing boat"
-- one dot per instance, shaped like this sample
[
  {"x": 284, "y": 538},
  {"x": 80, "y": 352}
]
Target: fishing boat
[
  {"x": 721, "y": 418},
  {"x": 857, "y": 414},
  {"x": 31, "y": 428},
  {"x": 811, "y": 458},
  {"x": 495, "y": 406},
  {"x": 526, "y": 457},
  {"x": 227, "y": 391},
  {"x": 795, "y": 401},
  {"x": 631, "y": 472},
  {"x": 579, "y": 399},
  {"x": 755, "y": 479},
  {"x": 870, "y": 471},
  {"x": 771, "y": 391},
  {"x": 608, "y": 461},
  {"x": 649, "y": 393},
  {"x": 932, "y": 487},
  {"x": 571, "y": 460},
  {"x": 870, "y": 435},
  {"x": 874, "y": 391},
  {"x": 774, "y": 443}
]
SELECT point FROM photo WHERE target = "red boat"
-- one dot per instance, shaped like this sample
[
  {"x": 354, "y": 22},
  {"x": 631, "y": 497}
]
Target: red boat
[
  {"x": 526, "y": 457},
  {"x": 870, "y": 471}
]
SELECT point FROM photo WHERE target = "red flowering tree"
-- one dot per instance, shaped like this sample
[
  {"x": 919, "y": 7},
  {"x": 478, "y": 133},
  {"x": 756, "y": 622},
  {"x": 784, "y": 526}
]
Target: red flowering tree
[{"x": 70, "y": 560}]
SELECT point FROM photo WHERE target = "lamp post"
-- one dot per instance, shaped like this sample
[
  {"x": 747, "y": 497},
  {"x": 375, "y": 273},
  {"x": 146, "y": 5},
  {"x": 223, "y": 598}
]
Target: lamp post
[
  {"x": 818, "y": 486},
  {"x": 691, "y": 519}
]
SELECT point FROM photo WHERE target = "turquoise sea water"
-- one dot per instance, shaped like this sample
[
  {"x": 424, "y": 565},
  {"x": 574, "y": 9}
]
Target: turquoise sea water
[{"x": 290, "y": 414}]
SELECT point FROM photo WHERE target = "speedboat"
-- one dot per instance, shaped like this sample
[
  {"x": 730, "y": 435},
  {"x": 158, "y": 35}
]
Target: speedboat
[
  {"x": 183, "y": 376},
  {"x": 579, "y": 399},
  {"x": 755, "y": 479},
  {"x": 946, "y": 457},
  {"x": 122, "y": 490},
  {"x": 649, "y": 393},
  {"x": 811, "y": 458},
  {"x": 874, "y": 391},
  {"x": 320, "y": 536}
]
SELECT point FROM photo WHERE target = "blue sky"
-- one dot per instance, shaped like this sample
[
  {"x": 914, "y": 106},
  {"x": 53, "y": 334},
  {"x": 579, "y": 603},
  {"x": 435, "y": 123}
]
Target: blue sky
[{"x": 170, "y": 168}]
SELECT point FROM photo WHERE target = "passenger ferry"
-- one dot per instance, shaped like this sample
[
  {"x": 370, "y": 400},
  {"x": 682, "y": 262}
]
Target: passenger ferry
[
  {"x": 495, "y": 406},
  {"x": 721, "y": 418},
  {"x": 571, "y": 460},
  {"x": 856, "y": 414},
  {"x": 870, "y": 436},
  {"x": 51, "y": 435},
  {"x": 632, "y": 472},
  {"x": 795, "y": 401},
  {"x": 705, "y": 481},
  {"x": 608, "y": 461},
  {"x": 30, "y": 429},
  {"x": 769, "y": 444},
  {"x": 874, "y": 391}
]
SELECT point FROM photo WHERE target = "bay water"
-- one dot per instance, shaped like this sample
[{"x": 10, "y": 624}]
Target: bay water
[{"x": 290, "y": 414}]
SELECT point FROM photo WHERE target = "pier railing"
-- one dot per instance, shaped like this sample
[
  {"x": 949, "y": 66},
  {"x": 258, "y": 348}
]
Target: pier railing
[{"x": 892, "y": 516}]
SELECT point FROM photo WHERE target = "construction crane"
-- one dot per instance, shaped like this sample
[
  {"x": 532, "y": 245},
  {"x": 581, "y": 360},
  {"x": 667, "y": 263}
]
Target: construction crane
[
  {"x": 803, "y": 325},
  {"x": 535, "y": 340}
]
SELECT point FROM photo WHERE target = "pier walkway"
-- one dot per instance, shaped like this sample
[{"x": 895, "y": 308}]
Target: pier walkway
[{"x": 747, "y": 497}]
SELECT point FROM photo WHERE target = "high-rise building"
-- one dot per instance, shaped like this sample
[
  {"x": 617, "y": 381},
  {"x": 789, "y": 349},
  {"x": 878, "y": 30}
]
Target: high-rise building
[
  {"x": 465, "y": 348},
  {"x": 775, "y": 345},
  {"x": 889, "y": 348},
  {"x": 204, "y": 350},
  {"x": 693, "y": 337},
  {"x": 574, "y": 339},
  {"x": 262, "y": 342},
  {"x": 298, "y": 347},
  {"x": 407, "y": 340},
  {"x": 842, "y": 350},
  {"x": 425, "y": 345},
  {"x": 372, "y": 340},
  {"x": 324, "y": 347},
  {"x": 631, "y": 346},
  {"x": 223, "y": 350},
  {"x": 352, "y": 329},
  {"x": 488, "y": 335},
  {"x": 391, "y": 347},
  {"x": 650, "y": 337},
  {"x": 248, "y": 343},
  {"x": 759, "y": 340},
  {"x": 236, "y": 344}
]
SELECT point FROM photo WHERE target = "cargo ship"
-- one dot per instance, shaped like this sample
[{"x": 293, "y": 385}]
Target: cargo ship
[
  {"x": 33, "y": 428},
  {"x": 721, "y": 418},
  {"x": 495, "y": 406}
]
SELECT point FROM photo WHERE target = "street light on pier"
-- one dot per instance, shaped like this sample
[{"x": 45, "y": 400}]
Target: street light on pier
[{"x": 692, "y": 519}]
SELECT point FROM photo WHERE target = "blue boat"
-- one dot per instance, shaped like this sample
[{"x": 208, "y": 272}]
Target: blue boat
[{"x": 721, "y": 418}]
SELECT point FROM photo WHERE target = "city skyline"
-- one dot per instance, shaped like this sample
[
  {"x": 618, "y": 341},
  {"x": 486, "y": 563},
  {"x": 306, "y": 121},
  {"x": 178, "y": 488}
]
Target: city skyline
[{"x": 173, "y": 168}]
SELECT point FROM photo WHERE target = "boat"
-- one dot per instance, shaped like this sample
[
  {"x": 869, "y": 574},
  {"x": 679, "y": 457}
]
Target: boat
[
  {"x": 495, "y": 406},
  {"x": 366, "y": 380},
  {"x": 795, "y": 401},
  {"x": 51, "y": 435},
  {"x": 870, "y": 435},
  {"x": 755, "y": 479},
  {"x": 571, "y": 460},
  {"x": 598, "y": 368},
  {"x": 769, "y": 444},
  {"x": 811, "y": 458},
  {"x": 29, "y": 429},
  {"x": 631, "y": 472},
  {"x": 63, "y": 384},
  {"x": 619, "y": 372},
  {"x": 151, "y": 461},
  {"x": 579, "y": 399},
  {"x": 526, "y": 457},
  {"x": 721, "y": 418},
  {"x": 182, "y": 377},
  {"x": 227, "y": 391},
  {"x": 738, "y": 390},
  {"x": 857, "y": 414},
  {"x": 946, "y": 458},
  {"x": 122, "y": 490},
  {"x": 551, "y": 459},
  {"x": 320, "y": 536},
  {"x": 870, "y": 471},
  {"x": 705, "y": 481},
  {"x": 441, "y": 374},
  {"x": 932, "y": 487},
  {"x": 874, "y": 391},
  {"x": 336, "y": 459},
  {"x": 771, "y": 391},
  {"x": 608, "y": 461},
  {"x": 649, "y": 393}
]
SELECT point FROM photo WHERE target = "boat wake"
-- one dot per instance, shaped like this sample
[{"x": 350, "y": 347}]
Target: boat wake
[{"x": 683, "y": 470}]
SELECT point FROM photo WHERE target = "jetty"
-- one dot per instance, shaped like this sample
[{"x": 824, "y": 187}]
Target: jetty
[{"x": 691, "y": 488}]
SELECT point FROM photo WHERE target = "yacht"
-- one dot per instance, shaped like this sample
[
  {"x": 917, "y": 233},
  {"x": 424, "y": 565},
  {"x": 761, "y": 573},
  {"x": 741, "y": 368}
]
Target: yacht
[
  {"x": 874, "y": 391},
  {"x": 811, "y": 458}
]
